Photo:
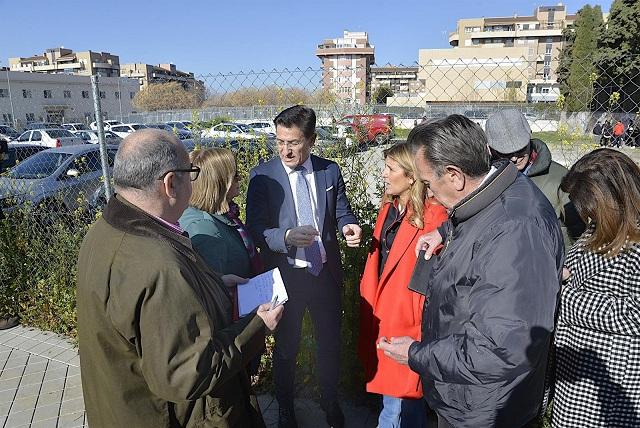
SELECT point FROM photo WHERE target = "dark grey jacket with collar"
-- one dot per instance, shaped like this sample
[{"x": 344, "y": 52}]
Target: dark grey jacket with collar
[{"x": 490, "y": 306}]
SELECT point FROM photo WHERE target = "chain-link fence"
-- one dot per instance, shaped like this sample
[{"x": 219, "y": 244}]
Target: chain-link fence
[{"x": 54, "y": 181}]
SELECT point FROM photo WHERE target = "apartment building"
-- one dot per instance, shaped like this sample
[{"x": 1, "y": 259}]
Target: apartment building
[
  {"x": 162, "y": 73},
  {"x": 539, "y": 36},
  {"x": 40, "y": 97},
  {"x": 65, "y": 61},
  {"x": 346, "y": 66},
  {"x": 401, "y": 80}
]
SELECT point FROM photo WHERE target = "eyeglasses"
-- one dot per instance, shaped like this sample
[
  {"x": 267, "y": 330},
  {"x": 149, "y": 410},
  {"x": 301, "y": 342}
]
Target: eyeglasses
[
  {"x": 515, "y": 156},
  {"x": 295, "y": 143},
  {"x": 194, "y": 172}
]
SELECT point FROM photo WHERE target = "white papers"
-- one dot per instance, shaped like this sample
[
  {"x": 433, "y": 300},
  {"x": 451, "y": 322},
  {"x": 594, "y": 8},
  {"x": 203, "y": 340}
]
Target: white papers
[{"x": 261, "y": 289}]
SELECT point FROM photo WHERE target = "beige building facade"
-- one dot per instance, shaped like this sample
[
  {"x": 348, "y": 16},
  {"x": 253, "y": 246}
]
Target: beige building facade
[
  {"x": 147, "y": 74},
  {"x": 346, "y": 66},
  {"x": 66, "y": 61},
  {"x": 540, "y": 36}
]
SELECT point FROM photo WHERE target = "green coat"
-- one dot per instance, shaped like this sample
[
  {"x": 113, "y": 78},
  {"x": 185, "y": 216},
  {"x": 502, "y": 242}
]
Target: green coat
[
  {"x": 157, "y": 344},
  {"x": 217, "y": 240},
  {"x": 547, "y": 175}
]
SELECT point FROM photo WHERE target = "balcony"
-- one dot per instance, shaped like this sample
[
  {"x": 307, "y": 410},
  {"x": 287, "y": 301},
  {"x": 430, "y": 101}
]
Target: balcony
[
  {"x": 454, "y": 38},
  {"x": 105, "y": 65}
]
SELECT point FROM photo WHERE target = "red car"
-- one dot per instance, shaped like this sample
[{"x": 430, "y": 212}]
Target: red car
[{"x": 368, "y": 128}]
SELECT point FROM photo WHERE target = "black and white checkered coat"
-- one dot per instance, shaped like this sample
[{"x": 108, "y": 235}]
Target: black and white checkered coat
[{"x": 598, "y": 341}]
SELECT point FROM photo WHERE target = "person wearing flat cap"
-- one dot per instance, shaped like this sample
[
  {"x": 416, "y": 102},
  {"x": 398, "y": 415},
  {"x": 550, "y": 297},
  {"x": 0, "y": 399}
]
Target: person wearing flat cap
[{"x": 509, "y": 137}]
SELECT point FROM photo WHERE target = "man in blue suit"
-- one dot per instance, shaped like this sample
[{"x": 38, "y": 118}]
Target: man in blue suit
[{"x": 295, "y": 205}]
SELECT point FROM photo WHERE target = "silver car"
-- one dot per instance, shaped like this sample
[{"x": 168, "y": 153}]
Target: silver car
[
  {"x": 55, "y": 181},
  {"x": 50, "y": 138}
]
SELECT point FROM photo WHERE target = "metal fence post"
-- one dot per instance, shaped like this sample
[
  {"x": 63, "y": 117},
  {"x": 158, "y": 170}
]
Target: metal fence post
[{"x": 101, "y": 140}]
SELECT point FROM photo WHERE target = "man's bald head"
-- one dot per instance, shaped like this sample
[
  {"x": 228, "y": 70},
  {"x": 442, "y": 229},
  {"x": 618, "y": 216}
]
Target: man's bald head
[{"x": 144, "y": 155}]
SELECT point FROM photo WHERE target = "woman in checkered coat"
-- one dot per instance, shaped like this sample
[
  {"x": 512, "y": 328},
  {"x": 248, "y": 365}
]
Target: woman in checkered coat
[{"x": 598, "y": 332}]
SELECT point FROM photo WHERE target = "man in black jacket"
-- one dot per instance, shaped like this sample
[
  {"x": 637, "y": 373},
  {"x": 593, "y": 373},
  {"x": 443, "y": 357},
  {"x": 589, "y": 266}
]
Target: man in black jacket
[{"x": 491, "y": 298}]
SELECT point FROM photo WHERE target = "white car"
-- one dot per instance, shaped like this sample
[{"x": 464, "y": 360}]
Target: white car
[
  {"x": 76, "y": 126},
  {"x": 125, "y": 129},
  {"x": 50, "y": 138},
  {"x": 91, "y": 137},
  {"x": 263, "y": 126},
  {"x": 107, "y": 124},
  {"x": 236, "y": 131}
]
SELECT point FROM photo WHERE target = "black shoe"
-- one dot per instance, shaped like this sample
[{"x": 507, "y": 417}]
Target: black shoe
[
  {"x": 287, "y": 417},
  {"x": 335, "y": 417},
  {"x": 9, "y": 322}
]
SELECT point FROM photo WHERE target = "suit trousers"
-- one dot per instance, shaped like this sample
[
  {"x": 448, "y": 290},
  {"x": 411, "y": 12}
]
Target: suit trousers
[{"x": 322, "y": 296}]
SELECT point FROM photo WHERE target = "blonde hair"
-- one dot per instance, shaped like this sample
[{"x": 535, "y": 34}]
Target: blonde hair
[
  {"x": 217, "y": 172},
  {"x": 403, "y": 155}
]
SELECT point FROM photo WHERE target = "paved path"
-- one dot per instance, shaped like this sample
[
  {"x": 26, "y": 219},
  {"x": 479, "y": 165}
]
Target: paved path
[{"x": 40, "y": 387}]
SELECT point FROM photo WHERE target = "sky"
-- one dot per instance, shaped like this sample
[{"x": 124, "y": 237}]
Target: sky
[{"x": 220, "y": 36}]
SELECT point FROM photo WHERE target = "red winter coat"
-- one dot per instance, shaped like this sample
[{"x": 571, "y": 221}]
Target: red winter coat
[
  {"x": 618, "y": 129},
  {"x": 388, "y": 308}
]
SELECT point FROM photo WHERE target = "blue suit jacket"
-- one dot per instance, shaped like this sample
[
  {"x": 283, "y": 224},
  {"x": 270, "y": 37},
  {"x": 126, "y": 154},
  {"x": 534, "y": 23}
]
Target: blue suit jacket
[{"x": 271, "y": 211}]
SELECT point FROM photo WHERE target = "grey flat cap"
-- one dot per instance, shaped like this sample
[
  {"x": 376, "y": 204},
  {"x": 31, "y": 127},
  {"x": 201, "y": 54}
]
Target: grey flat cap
[{"x": 507, "y": 131}]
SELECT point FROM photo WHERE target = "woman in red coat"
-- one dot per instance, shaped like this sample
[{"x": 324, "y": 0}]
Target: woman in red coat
[{"x": 388, "y": 307}]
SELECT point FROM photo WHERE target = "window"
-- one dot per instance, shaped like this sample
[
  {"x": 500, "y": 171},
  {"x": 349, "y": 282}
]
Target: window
[
  {"x": 26, "y": 93},
  {"x": 103, "y": 95},
  {"x": 545, "y": 90},
  {"x": 31, "y": 117},
  {"x": 47, "y": 93},
  {"x": 117, "y": 95},
  {"x": 514, "y": 84},
  {"x": 4, "y": 93},
  {"x": 36, "y": 136},
  {"x": 88, "y": 162},
  {"x": 7, "y": 118},
  {"x": 131, "y": 95},
  {"x": 67, "y": 94},
  {"x": 85, "y": 94}
]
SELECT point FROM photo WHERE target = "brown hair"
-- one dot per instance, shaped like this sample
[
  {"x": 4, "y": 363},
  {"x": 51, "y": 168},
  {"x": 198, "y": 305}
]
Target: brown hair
[
  {"x": 217, "y": 172},
  {"x": 403, "y": 154},
  {"x": 604, "y": 186}
]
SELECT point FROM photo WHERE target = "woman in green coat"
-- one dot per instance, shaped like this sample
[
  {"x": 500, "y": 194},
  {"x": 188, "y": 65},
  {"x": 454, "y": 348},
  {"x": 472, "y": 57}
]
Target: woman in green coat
[{"x": 212, "y": 218}]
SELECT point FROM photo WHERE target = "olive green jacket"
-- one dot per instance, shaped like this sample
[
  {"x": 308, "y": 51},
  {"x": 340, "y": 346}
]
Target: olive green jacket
[
  {"x": 547, "y": 175},
  {"x": 157, "y": 344}
]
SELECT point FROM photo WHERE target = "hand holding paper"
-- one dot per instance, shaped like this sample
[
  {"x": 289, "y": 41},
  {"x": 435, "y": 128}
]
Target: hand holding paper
[{"x": 267, "y": 288}]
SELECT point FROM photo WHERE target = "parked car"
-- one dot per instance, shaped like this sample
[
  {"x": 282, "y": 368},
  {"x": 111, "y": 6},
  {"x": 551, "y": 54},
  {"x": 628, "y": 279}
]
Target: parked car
[
  {"x": 19, "y": 152},
  {"x": 106, "y": 124},
  {"x": 181, "y": 133},
  {"x": 91, "y": 137},
  {"x": 237, "y": 131},
  {"x": 181, "y": 124},
  {"x": 41, "y": 125},
  {"x": 76, "y": 126},
  {"x": 126, "y": 128},
  {"x": 326, "y": 141},
  {"x": 8, "y": 133},
  {"x": 367, "y": 128},
  {"x": 263, "y": 126},
  {"x": 50, "y": 138},
  {"x": 55, "y": 181}
]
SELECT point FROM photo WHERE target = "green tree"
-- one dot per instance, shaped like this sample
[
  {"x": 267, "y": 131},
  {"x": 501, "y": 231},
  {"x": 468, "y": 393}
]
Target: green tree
[
  {"x": 381, "y": 94},
  {"x": 576, "y": 59},
  {"x": 618, "y": 60}
]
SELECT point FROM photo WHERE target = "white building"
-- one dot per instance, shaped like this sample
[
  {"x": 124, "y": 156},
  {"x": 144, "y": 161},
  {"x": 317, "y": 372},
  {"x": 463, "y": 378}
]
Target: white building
[{"x": 37, "y": 97}]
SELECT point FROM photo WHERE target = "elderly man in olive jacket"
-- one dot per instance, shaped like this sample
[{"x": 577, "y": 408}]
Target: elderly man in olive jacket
[{"x": 158, "y": 347}]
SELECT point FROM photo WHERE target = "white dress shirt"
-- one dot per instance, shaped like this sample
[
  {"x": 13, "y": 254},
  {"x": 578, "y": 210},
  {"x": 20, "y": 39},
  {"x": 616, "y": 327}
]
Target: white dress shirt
[{"x": 300, "y": 260}]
